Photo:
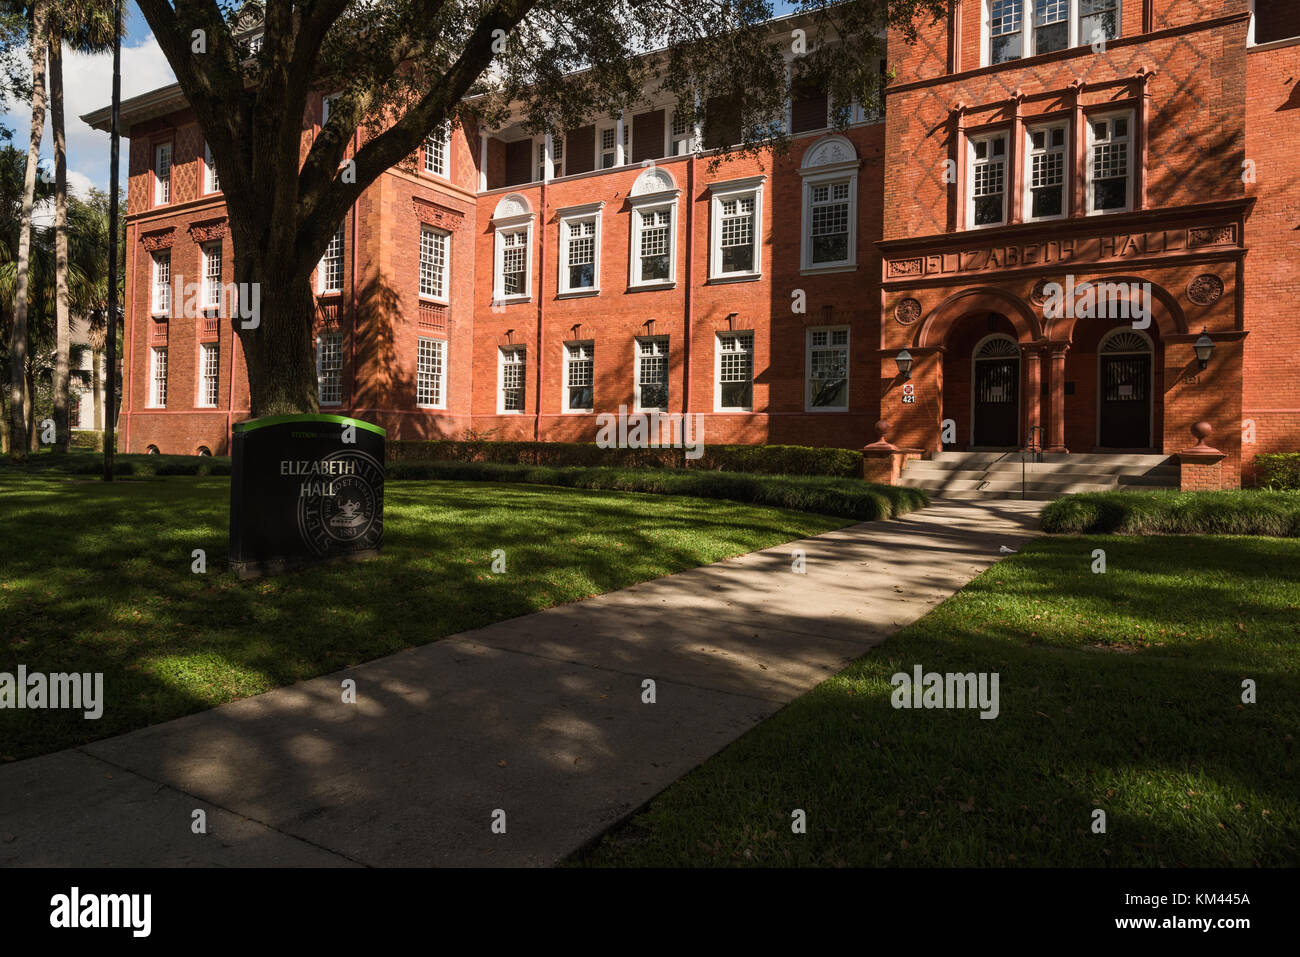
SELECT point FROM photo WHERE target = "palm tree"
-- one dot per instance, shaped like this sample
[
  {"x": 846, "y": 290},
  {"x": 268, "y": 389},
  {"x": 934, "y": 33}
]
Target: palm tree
[
  {"x": 86, "y": 26},
  {"x": 19, "y": 396}
]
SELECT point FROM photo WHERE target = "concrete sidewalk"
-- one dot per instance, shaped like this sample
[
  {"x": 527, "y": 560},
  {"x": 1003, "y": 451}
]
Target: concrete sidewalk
[{"x": 540, "y": 717}]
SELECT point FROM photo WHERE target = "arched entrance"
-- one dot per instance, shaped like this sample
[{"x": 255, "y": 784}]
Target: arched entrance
[
  {"x": 1124, "y": 392},
  {"x": 995, "y": 393}
]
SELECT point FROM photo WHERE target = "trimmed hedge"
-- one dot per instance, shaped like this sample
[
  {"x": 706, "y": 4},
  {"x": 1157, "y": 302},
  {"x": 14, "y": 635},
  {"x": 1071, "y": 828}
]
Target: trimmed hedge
[
  {"x": 1278, "y": 470},
  {"x": 81, "y": 462},
  {"x": 846, "y": 498},
  {"x": 1245, "y": 512},
  {"x": 753, "y": 459}
]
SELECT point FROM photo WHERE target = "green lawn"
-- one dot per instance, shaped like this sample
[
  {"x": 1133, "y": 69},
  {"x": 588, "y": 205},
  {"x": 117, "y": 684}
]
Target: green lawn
[
  {"x": 96, "y": 577},
  {"x": 1119, "y": 691}
]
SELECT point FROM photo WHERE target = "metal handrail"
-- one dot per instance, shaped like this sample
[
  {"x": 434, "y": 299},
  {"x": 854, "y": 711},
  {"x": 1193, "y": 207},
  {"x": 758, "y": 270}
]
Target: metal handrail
[{"x": 1034, "y": 447}]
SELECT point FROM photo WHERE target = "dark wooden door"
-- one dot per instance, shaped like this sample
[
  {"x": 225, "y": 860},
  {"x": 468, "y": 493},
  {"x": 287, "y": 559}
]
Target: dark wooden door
[
  {"x": 1125, "y": 402},
  {"x": 997, "y": 403}
]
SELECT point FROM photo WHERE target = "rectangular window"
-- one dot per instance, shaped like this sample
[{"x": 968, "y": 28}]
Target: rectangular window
[
  {"x": 579, "y": 362},
  {"x": 329, "y": 368},
  {"x": 209, "y": 375},
  {"x": 158, "y": 378},
  {"x": 513, "y": 378},
  {"x": 433, "y": 263},
  {"x": 828, "y": 370},
  {"x": 326, "y": 107},
  {"x": 162, "y": 174},
  {"x": 557, "y": 155},
  {"x": 1098, "y": 20},
  {"x": 1110, "y": 180},
  {"x": 735, "y": 228},
  {"x": 329, "y": 274},
  {"x": 1006, "y": 31},
  {"x": 652, "y": 374},
  {"x": 162, "y": 283},
  {"x": 829, "y": 222},
  {"x": 735, "y": 385},
  {"x": 581, "y": 243},
  {"x": 514, "y": 262},
  {"x": 681, "y": 134},
  {"x": 1048, "y": 152},
  {"x": 1051, "y": 25},
  {"x": 430, "y": 369},
  {"x": 211, "y": 297},
  {"x": 988, "y": 196},
  {"x": 653, "y": 244},
  {"x": 1020, "y": 28},
  {"x": 608, "y": 155},
  {"x": 435, "y": 152},
  {"x": 211, "y": 182}
]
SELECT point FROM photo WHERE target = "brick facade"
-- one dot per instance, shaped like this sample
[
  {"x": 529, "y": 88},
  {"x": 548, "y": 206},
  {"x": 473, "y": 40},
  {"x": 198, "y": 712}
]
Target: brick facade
[{"x": 1209, "y": 129}]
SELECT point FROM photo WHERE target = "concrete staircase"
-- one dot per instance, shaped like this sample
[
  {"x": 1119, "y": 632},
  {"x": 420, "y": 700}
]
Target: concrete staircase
[{"x": 976, "y": 475}]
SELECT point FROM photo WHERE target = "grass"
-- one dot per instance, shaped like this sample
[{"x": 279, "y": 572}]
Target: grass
[
  {"x": 97, "y": 578},
  {"x": 1118, "y": 691},
  {"x": 1240, "y": 512}
]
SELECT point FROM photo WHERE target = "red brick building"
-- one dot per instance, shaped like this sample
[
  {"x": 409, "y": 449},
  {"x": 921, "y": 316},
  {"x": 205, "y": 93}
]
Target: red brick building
[{"x": 515, "y": 286}]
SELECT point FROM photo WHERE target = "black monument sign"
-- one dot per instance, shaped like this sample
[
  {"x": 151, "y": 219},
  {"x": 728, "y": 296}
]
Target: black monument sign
[{"x": 305, "y": 489}]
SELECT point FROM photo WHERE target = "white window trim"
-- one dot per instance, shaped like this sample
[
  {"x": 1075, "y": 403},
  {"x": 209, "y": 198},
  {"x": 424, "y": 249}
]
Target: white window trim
[
  {"x": 636, "y": 372},
  {"x": 153, "y": 377},
  {"x": 320, "y": 371},
  {"x": 200, "y": 401},
  {"x": 501, "y": 380},
  {"x": 155, "y": 307},
  {"x": 736, "y": 189},
  {"x": 446, "y": 154},
  {"x": 567, "y": 215},
  {"x": 1027, "y": 30},
  {"x": 210, "y": 184},
  {"x": 717, "y": 370},
  {"x": 971, "y": 141},
  {"x": 205, "y": 282},
  {"x": 1027, "y": 200},
  {"x": 1088, "y": 120},
  {"x": 664, "y": 199},
  {"x": 158, "y": 198},
  {"x": 509, "y": 225},
  {"x": 807, "y": 369},
  {"x": 818, "y": 176},
  {"x": 320, "y": 266},
  {"x": 564, "y": 378},
  {"x": 441, "y": 376},
  {"x": 445, "y": 298}
]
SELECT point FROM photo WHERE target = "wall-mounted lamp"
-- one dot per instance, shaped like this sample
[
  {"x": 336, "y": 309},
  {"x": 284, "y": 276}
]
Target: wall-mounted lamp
[
  {"x": 904, "y": 362},
  {"x": 1204, "y": 347}
]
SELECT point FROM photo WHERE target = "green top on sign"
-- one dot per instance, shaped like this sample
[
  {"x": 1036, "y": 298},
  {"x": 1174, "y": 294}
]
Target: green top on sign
[{"x": 252, "y": 424}]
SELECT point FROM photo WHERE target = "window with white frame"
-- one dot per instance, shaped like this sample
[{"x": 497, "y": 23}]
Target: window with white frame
[
  {"x": 737, "y": 215},
  {"x": 211, "y": 182},
  {"x": 1048, "y": 157},
  {"x": 579, "y": 367},
  {"x": 512, "y": 378},
  {"x": 329, "y": 272},
  {"x": 734, "y": 390},
  {"x": 652, "y": 374},
  {"x": 1021, "y": 28},
  {"x": 829, "y": 223},
  {"x": 430, "y": 372},
  {"x": 209, "y": 374},
  {"x": 329, "y": 368},
  {"x": 987, "y": 204},
  {"x": 653, "y": 244},
  {"x": 580, "y": 253},
  {"x": 162, "y": 283},
  {"x": 512, "y": 272},
  {"x": 435, "y": 152},
  {"x": 608, "y": 147},
  {"x": 827, "y": 370},
  {"x": 541, "y": 160},
  {"x": 1110, "y": 162},
  {"x": 158, "y": 377},
  {"x": 211, "y": 291},
  {"x": 557, "y": 155},
  {"x": 681, "y": 135},
  {"x": 162, "y": 174},
  {"x": 433, "y": 263}
]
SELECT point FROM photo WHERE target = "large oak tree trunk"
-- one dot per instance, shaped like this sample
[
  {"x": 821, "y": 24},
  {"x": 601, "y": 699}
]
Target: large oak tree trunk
[
  {"x": 279, "y": 351},
  {"x": 20, "y": 397},
  {"x": 63, "y": 335}
]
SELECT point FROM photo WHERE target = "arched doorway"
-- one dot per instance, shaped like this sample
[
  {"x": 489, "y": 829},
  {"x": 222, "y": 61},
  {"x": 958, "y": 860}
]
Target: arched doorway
[
  {"x": 1124, "y": 390},
  {"x": 995, "y": 393}
]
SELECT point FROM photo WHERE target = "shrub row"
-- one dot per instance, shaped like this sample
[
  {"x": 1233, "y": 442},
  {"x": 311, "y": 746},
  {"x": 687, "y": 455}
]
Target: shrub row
[
  {"x": 1278, "y": 470},
  {"x": 753, "y": 459},
  {"x": 1238, "y": 512},
  {"x": 846, "y": 498}
]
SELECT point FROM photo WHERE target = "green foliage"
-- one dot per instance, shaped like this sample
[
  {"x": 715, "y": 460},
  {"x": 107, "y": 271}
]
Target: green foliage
[
  {"x": 1278, "y": 470},
  {"x": 1244, "y": 512}
]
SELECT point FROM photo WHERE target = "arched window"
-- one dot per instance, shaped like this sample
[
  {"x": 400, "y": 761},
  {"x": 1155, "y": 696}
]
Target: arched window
[
  {"x": 513, "y": 225},
  {"x": 830, "y": 206}
]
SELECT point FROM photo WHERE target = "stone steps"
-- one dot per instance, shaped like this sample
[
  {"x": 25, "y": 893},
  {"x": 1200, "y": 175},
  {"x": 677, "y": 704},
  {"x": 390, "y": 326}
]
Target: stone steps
[{"x": 975, "y": 475}]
